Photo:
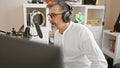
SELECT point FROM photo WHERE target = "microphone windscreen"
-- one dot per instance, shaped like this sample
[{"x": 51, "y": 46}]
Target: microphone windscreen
[{"x": 38, "y": 19}]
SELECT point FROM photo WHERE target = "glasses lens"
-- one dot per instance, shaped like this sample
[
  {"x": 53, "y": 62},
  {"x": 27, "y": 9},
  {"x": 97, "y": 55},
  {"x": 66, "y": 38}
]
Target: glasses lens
[{"x": 53, "y": 15}]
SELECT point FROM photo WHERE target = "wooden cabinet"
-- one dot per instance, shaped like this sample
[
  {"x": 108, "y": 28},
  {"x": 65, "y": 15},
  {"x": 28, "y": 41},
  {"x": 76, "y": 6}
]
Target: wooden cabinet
[{"x": 111, "y": 45}]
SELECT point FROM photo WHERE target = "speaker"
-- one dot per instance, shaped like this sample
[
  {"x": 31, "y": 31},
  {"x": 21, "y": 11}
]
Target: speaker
[{"x": 66, "y": 16}]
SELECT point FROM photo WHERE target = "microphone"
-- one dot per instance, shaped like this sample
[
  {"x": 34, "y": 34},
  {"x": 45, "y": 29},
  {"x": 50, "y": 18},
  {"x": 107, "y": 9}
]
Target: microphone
[
  {"x": 37, "y": 19},
  {"x": 39, "y": 30}
]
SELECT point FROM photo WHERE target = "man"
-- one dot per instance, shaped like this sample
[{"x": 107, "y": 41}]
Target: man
[{"x": 79, "y": 46}]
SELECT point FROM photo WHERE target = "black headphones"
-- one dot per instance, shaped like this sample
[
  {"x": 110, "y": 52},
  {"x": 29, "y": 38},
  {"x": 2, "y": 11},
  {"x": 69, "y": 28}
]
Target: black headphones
[{"x": 66, "y": 16}]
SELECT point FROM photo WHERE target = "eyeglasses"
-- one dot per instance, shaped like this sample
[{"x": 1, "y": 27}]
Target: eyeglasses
[{"x": 51, "y": 15}]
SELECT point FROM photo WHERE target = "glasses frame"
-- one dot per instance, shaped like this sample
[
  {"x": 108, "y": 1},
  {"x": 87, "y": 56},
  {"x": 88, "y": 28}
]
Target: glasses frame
[{"x": 52, "y": 15}]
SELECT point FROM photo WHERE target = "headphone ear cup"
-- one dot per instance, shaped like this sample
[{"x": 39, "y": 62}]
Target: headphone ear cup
[{"x": 66, "y": 16}]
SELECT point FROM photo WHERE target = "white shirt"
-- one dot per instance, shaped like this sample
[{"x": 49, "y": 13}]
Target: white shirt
[{"x": 80, "y": 49}]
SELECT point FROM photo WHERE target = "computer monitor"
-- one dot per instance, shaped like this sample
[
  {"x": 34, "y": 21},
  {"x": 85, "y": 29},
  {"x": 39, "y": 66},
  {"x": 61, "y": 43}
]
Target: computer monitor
[{"x": 18, "y": 53}]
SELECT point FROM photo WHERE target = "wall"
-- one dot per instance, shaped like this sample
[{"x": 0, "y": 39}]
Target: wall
[
  {"x": 11, "y": 14},
  {"x": 112, "y": 12}
]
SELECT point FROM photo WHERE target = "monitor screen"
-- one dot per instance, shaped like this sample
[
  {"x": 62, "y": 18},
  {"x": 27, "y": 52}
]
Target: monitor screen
[{"x": 18, "y": 53}]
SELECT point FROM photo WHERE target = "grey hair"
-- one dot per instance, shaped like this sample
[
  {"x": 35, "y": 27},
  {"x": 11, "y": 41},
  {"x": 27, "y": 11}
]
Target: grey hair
[{"x": 63, "y": 5}]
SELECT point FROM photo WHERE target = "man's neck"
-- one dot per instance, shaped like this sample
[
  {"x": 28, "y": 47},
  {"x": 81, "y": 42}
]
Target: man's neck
[{"x": 64, "y": 27}]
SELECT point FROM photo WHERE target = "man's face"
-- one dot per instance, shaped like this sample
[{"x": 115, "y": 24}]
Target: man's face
[{"x": 55, "y": 16}]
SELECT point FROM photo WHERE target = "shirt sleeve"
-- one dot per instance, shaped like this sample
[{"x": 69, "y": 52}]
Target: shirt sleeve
[{"x": 92, "y": 50}]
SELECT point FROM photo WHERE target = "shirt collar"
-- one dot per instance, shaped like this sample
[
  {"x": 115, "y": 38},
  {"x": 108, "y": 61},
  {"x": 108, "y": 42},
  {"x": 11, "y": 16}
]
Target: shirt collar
[{"x": 68, "y": 27}]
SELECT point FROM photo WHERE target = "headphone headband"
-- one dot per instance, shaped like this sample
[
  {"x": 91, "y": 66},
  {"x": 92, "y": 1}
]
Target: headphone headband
[{"x": 66, "y": 16}]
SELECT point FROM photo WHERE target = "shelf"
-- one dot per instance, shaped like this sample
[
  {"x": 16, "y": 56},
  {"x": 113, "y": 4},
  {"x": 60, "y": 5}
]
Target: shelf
[
  {"x": 93, "y": 17},
  {"x": 89, "y": 6},
  {"x": 28, "y": 10},
  {"x": 111, "y": 33},
  {"x": 111, "y": 40},
  {"x": 95, "y": 7},
  {"x": 89, "y": 12},
  {"x": 35, "y": 5}
]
